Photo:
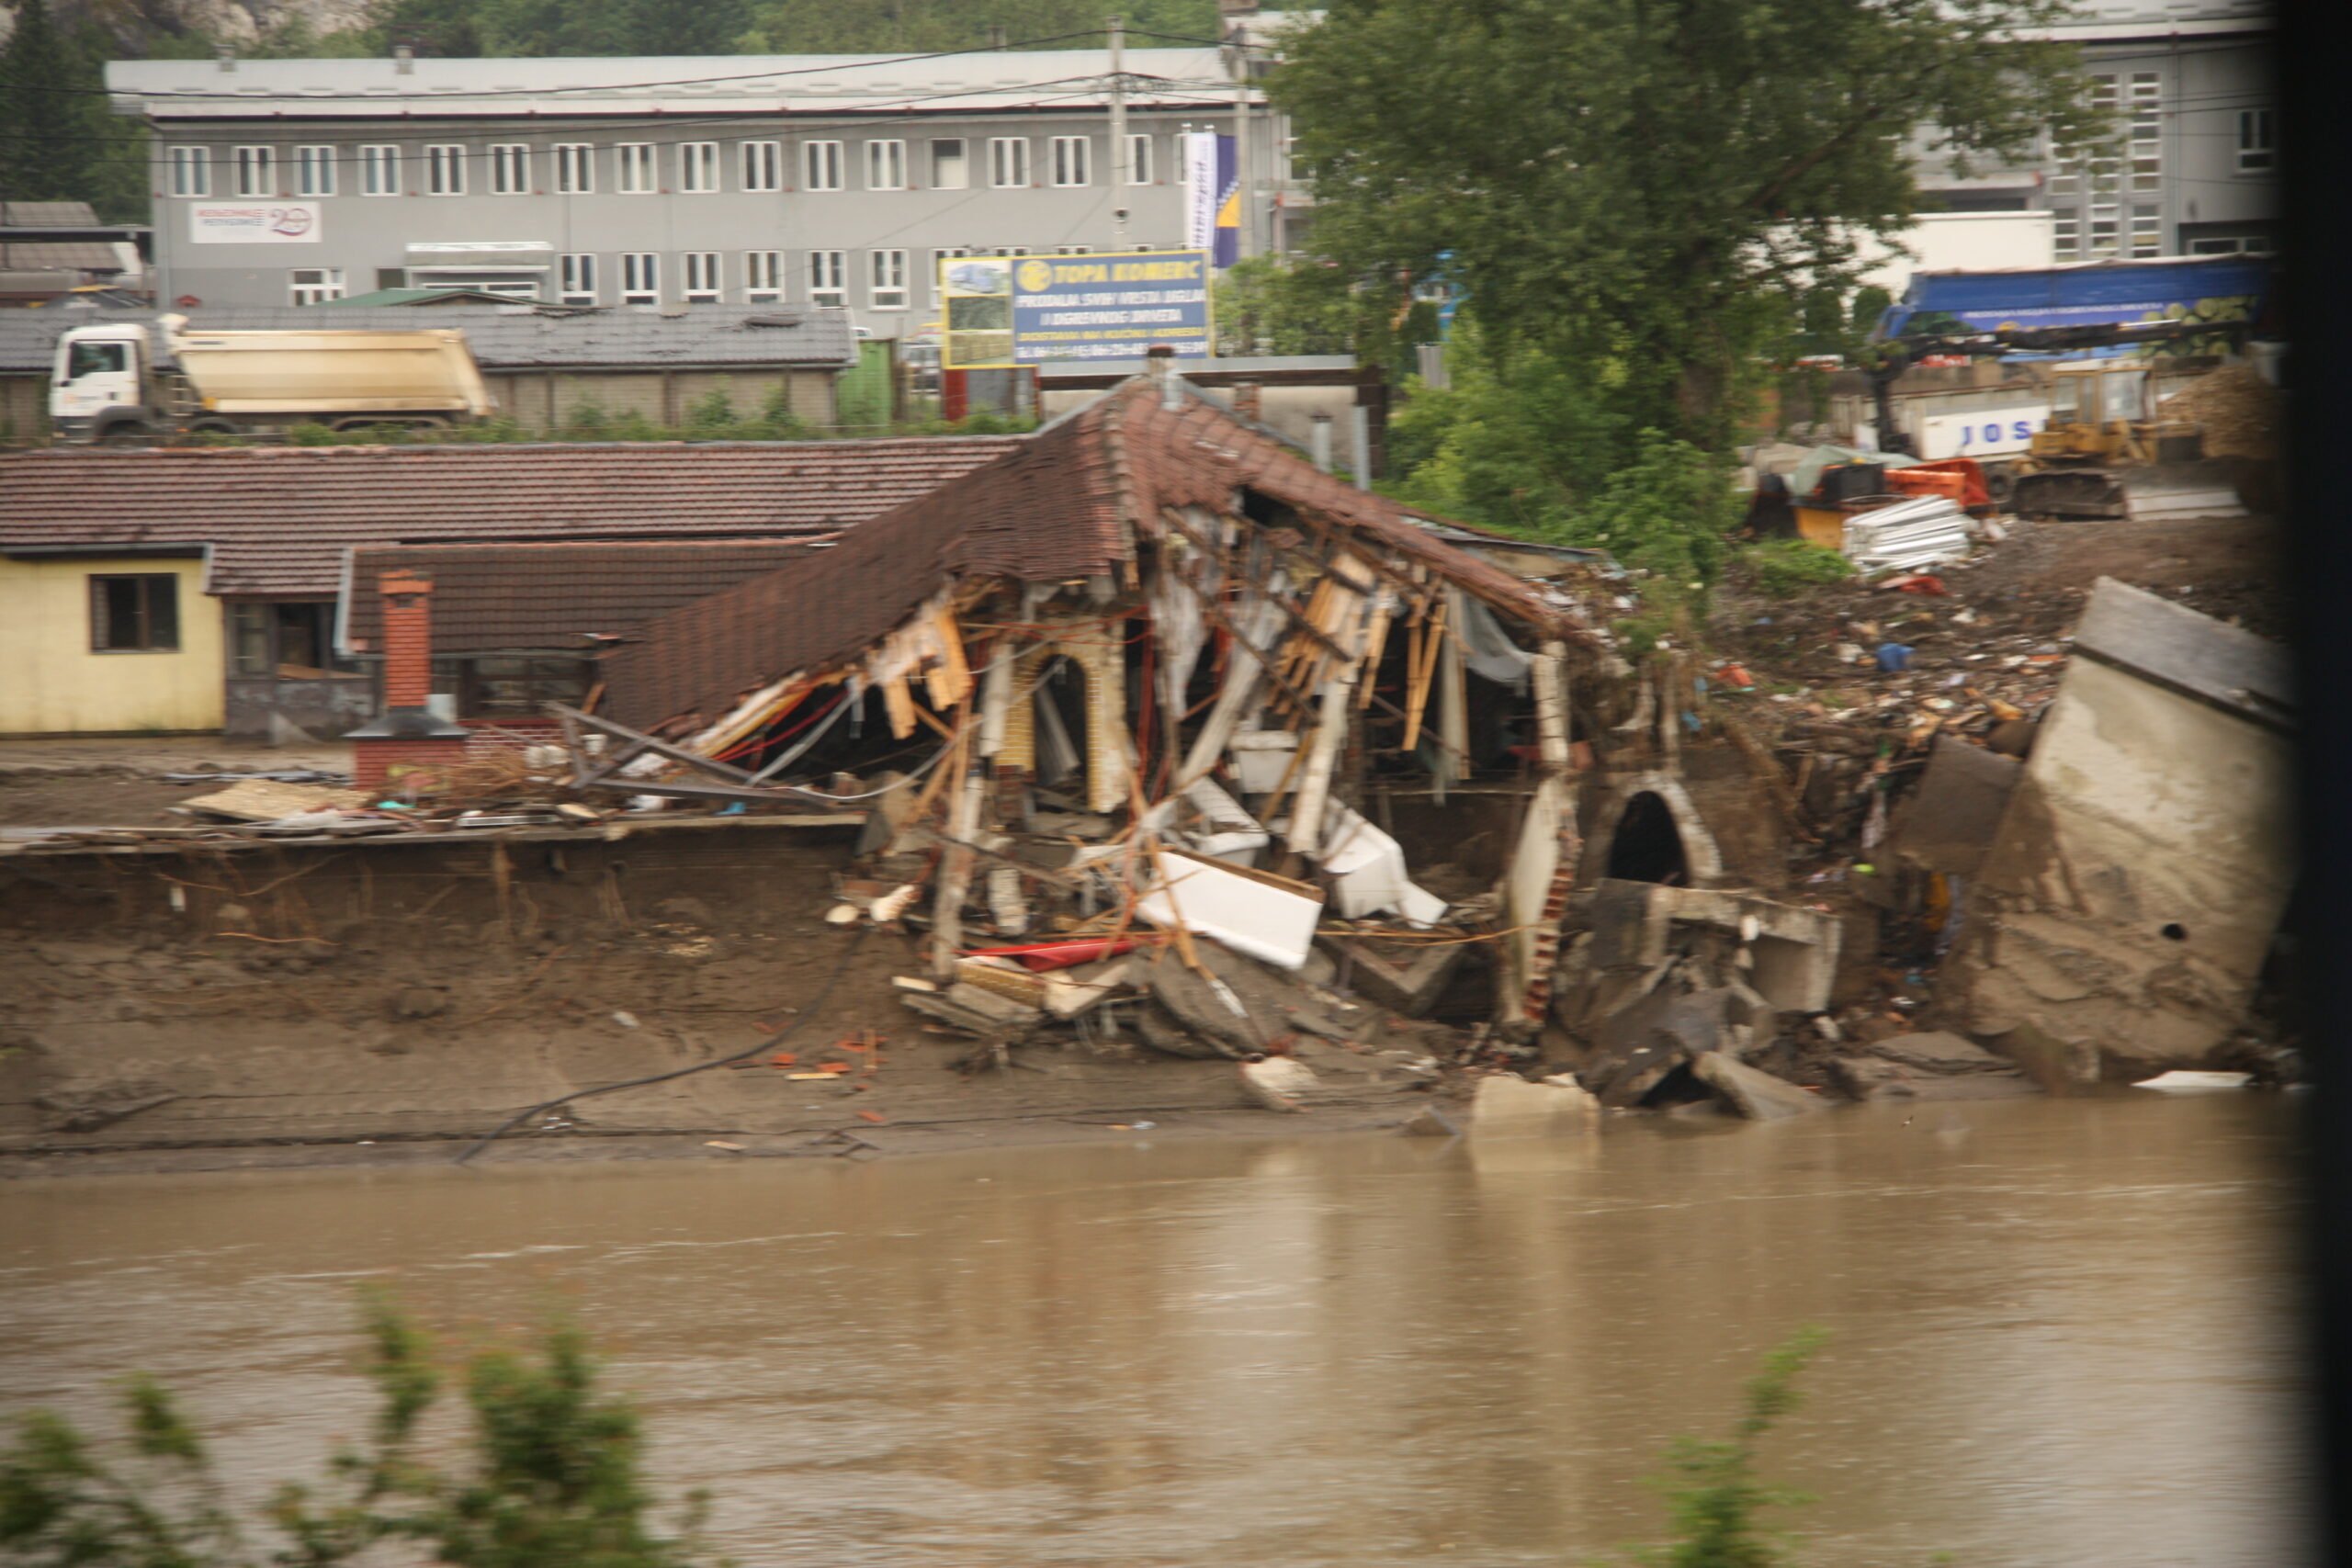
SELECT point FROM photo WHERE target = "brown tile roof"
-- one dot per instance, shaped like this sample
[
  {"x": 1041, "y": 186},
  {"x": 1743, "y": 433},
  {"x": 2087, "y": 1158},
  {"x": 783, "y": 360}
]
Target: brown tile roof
[
  {"x": 1064, "y": 504},
  {"x": 280, "y": 519},
  {"x": 494, "y": 598}
]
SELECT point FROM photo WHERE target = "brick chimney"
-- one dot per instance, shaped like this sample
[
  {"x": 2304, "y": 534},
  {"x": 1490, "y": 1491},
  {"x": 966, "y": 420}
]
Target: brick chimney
[
  {"x": 408, "y": 731},
  {"x": 1246, "y": 402}
]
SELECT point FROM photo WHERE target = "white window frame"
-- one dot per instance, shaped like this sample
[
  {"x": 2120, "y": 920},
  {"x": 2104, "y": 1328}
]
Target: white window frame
[
  {"x": 313, "y": 284},
  {"x": 698, "y": 167},
  {"x": 703, "y": 279},
  {"x": 2065, "y": 238},
  {"x": 640, "y": 277},
  {"x": 254, "y": 170},
  {"x": 1072, "y": 162},
  {"x": 1140, "y": 153},
  {"x": 380, "y": 170},
  {"x": 886, "y": 164},
  {"x": 886, "y": 280},
  {"x": 820, "y": 165},
  {"x": 762, "y": 276},
  {"x": 575, "y": 167},
  {"x": 314, "y": 171},
  {"x": 2257, "y": 141},
  {"x": 444, "y": 168},
  {"x": 191, "y": 171},
  {"x": 828, "y": 278},
  {"x": 510, "y": 168},
  {"x": 961, "y": 157},
  {"x": 637, "y": 171},
  {"x": 576, "y": 278},
  {"x": 2147, "y": 231},
  {"x": 1008, "y": 163},
  {"x": 760, "y": 165}
]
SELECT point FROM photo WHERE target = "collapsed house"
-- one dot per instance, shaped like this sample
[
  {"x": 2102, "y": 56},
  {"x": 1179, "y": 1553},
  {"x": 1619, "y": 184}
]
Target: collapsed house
[{"x": 1154, "y": 678}]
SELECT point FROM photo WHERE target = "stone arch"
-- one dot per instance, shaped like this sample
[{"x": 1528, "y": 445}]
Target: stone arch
[{"x": 1648, "y": 830}]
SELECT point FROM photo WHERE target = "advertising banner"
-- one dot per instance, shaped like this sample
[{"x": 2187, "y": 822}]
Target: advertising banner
[
  {"x": 1212, "y": 196},
  {"x": 1009, "y": 311},
  {"x": 253, "y": 222}
]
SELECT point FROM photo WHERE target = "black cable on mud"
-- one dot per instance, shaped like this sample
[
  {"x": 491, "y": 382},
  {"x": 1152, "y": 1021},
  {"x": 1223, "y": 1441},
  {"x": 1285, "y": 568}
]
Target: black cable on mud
[{"x": 816, "y": 1006}]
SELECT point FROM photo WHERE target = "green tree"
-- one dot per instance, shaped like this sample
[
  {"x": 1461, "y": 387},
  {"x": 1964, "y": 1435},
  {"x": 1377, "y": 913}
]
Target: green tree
[
  {"x": 1651, "y": 187},
  {"x": 57, "y": 139},
  {"x": 551, "y": 1476}
]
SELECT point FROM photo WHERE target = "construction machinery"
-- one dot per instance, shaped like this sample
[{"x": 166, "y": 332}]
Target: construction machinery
[{"x": 2086, "y": 462}]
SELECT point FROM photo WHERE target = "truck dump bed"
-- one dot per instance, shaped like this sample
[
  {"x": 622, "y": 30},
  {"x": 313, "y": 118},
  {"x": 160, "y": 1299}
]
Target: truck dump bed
[{"x": 427, "y": 370}]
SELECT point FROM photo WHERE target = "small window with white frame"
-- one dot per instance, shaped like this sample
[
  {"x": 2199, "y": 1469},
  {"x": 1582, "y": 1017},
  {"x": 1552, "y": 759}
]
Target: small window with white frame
[
  {"x": 1139, "y": 160},
  {"x": 314, "y": 171},
  {"x": 191, "y": 171},
  {"x": 256, "y": 170},
  {"x": 698, "y": 167},
  {"x": 2258, "y": 140},
  {"x": 762, "y": 166},
  {"x": 575, "y": 168},
  {"x": 1073, "y": 162},
  {"x": 640, "y": 277},
  {"x": 828, "y": 278},
  {"x": 702, "y": 281},
  {"x": 510, "y": 169},
  {"x": 886, "y": 280},
  {"x": 633, "y": 168},
  {"x": 576, "y": 279},
  {"x": 2147, "y": 231},
  {"x": 1008, "y": 161},
  {"x": 314, "y": 285},
  {"x": 762, "y": 276},
  {"x": 379, "y": 171},
  {"x": 886, "y": 165},
  {"x": 820, "y": 165},
  {"x": 950, "y": 170},
  {"x": 445, "y": 170}
]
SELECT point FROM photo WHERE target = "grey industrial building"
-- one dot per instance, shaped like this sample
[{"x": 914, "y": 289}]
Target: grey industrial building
[{"x": 825, "y": 180}]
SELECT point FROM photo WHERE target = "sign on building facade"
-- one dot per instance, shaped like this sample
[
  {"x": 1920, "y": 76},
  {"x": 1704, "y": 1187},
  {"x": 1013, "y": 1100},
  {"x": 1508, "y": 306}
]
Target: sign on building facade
[
  {"x": 1002, "y": 311},
  {"x": 253, "y": 223}
]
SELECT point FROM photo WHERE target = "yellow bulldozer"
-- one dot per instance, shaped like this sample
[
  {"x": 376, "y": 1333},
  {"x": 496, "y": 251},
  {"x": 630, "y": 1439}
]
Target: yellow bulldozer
[{"x": 2100, "y": 429}]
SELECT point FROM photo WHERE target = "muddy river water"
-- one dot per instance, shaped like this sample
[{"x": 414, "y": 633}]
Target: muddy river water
[{"x": 2062, "y": 1332}]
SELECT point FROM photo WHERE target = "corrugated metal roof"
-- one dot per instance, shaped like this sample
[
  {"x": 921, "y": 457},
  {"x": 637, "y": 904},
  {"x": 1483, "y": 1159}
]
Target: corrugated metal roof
[
  {"x": 491, "y": 598},
  {"x": 1060, "y": 506},
  {"x": 77, "y": 255},
  {"x": 48, "y": 214},
  {"x": 508, "y": 337},
  {"x": 979, "y": 81},
  {"x": 279, "y": 519}
]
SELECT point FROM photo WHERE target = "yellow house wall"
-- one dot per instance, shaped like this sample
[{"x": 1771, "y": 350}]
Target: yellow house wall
[{"x": 52, "y": 682}]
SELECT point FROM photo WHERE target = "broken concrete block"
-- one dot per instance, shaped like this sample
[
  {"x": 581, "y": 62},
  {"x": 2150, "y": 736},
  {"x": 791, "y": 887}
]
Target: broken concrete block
[
  {"x": 1508, "y": 1107},
  {"x": 1279, "y": 1083},
  {"x": 1941, "y": 1053},
  {"x": 1165, "y": 1035},
  {"x": 1428, "y": 1122},
  {"x": 974, "y": 1009},
  {"x": 1871, "y": 1079},
  {"x": 1951, "y": 819},
  {"x": 1410, "y": 982},
  {"x": 1070, "y": 992},
  {"x": 1758, "y": 1096}
]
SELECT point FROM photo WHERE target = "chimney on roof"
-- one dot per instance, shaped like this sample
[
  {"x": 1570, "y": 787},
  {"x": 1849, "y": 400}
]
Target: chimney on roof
[
  {"x": 403, "y": 60},
  {"x": 1160, "y": 364},
  {"x": 1246, "y": 402},
  {"x": 226, "y": 56},
  {"x": 408, "y": 731},
  {"x": 1319, "y": 442}
]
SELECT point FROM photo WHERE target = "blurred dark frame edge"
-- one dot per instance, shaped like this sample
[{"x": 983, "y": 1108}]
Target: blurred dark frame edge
[{"x": 2316, "y": 42}]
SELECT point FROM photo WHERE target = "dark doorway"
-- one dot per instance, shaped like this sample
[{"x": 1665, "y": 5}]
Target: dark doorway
[{"x": 1647, "y": 847}]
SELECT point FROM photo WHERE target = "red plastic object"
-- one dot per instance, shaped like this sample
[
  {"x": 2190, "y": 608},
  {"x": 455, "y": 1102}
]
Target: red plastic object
[
  {"x": 1919, "y": 582},
  {"x": 1972, "y": 491},
  {"x": 1038, "y": 958},
  {"x": 1735, "y": 675}
]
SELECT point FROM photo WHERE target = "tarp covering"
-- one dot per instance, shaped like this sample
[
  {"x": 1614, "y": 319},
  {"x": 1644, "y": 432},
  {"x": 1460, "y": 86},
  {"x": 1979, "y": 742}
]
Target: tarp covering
[{"x": 2217, "y": 289}]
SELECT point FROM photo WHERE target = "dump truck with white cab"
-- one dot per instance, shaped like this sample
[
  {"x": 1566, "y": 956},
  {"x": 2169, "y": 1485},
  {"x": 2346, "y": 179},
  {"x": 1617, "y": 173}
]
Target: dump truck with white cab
[{"x": 123, "y": 381}]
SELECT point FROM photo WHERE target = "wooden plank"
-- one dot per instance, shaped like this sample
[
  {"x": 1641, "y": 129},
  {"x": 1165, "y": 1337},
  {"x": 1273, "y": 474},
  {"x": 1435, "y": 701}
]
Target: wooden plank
[{"x": 643, "y": 742}]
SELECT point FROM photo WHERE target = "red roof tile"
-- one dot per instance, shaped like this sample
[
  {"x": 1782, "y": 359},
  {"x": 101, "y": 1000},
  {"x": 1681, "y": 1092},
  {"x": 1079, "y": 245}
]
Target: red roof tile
[
  {"x": 507, "y": 598},
  {"x": 1062, "y": 505},
  {"x": 280, "y": 519}
]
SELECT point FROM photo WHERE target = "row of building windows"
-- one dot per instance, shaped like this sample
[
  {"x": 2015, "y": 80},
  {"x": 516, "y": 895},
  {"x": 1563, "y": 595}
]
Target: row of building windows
[
  {"x": 635, "y": 168},
  {"x": 755, "y": 277},
  {"x": 2099, "y": 202}
]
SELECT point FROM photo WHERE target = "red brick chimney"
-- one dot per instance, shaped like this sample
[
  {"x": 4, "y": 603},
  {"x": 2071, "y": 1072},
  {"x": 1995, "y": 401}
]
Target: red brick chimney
[{"x": 408, "y": 732}]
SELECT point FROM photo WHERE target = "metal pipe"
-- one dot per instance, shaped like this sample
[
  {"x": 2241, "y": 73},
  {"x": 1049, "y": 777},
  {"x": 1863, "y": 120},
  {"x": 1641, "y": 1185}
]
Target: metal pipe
[{"x": 1117, "y": 29}]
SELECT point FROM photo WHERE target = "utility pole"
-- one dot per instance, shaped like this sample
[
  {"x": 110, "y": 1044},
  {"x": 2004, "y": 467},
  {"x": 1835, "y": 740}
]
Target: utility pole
[
  {"x": 1249, "y": 238},
  {"x": 1118, "y": 31}
]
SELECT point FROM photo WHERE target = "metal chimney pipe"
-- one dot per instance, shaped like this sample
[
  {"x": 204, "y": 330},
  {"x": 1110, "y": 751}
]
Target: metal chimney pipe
[{"x": 1319, "y": 442}]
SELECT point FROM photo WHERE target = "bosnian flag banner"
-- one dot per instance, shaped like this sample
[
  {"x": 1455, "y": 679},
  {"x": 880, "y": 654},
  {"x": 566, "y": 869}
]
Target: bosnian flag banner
[{"x": 1212, "y": 196}]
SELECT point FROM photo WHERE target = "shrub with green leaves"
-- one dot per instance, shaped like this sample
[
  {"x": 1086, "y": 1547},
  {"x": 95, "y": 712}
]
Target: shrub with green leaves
[{"x": 1782, "y": 568}]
